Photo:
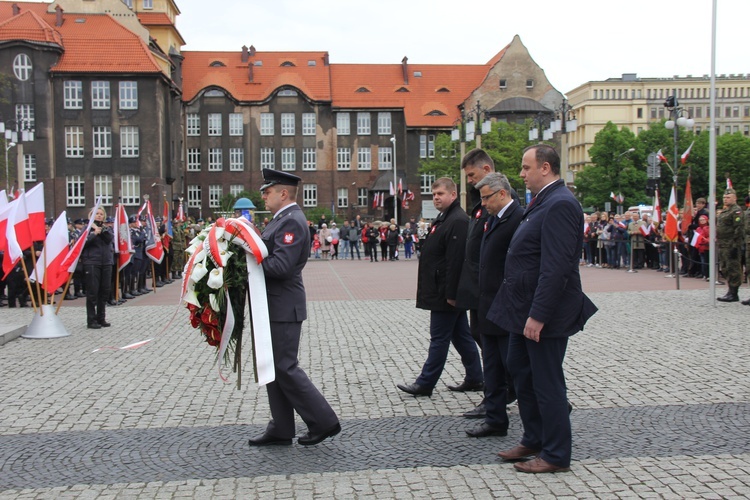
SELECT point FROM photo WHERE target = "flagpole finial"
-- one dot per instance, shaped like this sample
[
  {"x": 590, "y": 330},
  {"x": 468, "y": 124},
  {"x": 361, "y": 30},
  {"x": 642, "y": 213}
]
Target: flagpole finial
[{"x": 146, "y": 197}]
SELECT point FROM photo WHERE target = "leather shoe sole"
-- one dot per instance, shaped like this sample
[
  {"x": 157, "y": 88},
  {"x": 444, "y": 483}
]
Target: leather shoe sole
[
  {"x": 467, "y": 387},
  {"x": 539, "y": 466},
  {"x": 311, "y": 439},
  {"x": 485, "y": 430},
  {"x": 520, "y": 452},
  {"x": 268, "y": 440},
  {"x": 415, "y": 389}
]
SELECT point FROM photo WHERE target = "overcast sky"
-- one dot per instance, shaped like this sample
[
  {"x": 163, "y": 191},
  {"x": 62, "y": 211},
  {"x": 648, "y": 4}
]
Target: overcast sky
[{"x": 574, "y": 41}]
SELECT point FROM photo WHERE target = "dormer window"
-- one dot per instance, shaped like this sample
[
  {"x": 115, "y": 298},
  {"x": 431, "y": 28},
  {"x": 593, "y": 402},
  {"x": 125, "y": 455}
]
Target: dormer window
[
  {"x": 403, "y": 89},
  {"x": 258, "y": 63},
  {"x": 216, "y": 64},
  {"x": 287, "y": 93},
  {"x": 287, "y": 63},
  {"x": 311, "y": 63},
  {"x": 435, "y": 112},
  {"x": 22, "y": 67},
  {"x": 417, "y": 74},
  {"x": 214, "y": 93},
  {"x": 443, "y": 89},
  {"x": 362, "y": 89},
  {"x": 148, "y": 4}
]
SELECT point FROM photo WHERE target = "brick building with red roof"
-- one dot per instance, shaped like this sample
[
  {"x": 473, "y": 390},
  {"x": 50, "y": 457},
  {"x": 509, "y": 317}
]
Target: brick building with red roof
[{"x": 119, "y": 110}]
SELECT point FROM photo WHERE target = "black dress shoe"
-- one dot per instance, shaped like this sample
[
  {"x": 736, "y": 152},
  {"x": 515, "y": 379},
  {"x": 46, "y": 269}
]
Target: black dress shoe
[
  {"x": 266, "y": 439},
  {"x": 127, "y": 296},
  {"x": 112, "y": 302},
  {"x": 105, "y": 324},
  {"x": 415, "y": 389},
  {"x": 467, "y": 386},
  {"x": 484, "y": 430},
  {"x": 94, "y": 326},
  {"x": 80, "y": 294},
  {"x": 70, "y": 297},
  {"x": 310, "y": 439},
  {"x": 136, "y": 293},
  {"x": 478, "y": 412}
]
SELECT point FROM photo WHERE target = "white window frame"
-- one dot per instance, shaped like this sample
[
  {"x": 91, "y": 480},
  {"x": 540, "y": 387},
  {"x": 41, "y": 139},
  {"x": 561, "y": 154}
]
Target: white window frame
[
  {"x": 194, "y": 196},
  {"x": 100, "y": 95},
  {"x": 236, "y": 189},
  {"x": 385, "y": 158},
  {"x": 309, "y": 159},
  {"x": 364, "y": 158},
  {"x": 425, "y": 183},
  {"x": 384, "y": 123},
  {"x": 29, "y": 168},
  {"x": 343, "y": 159},
  {"x": 194, "y": 159},
  {"x": 128, "y": 95},
  {"x": 130, "y": 190},
  {"x": 73, "y": 94},
  {"x": 103, "y": 188},
  {"x": 214, "y": 195},
  {"x": 235, "y": 124},
  {"x": 343, "y": 124},
  {"x": 430, "y": 146},
  {"x": 25, "y": 116},
  {"x": 22, "y": 66},
  {"x": 268, "y": 158},
  {"x": 130, "y": 143},
  {"x": 215, "y": 159},
  {"x": 102, "y": 142},
  {"x": 288, "y": 159},
  {"x": 342, "y": 197},
  {"x": 364, "y": 126},
  {"x": 309, "y": 195},
  {"x": 73, "y": 141},
  {"x": 75, "y": 191},
  {"x": 236, "y": 159},
  {"x": 193, "y": 124},
  {"x": 214, "y": 124},
  {"x": 309, "y": 123},
  {"x": 266, "y": 124},
  {"x": 362, "y": 196},
  {"x": 287, "y": 124},
  {"x": 148, "y": 4}
]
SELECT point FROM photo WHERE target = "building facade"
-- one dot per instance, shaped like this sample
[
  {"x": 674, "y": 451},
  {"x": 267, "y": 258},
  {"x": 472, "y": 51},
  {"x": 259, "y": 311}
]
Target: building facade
[{"x": 635, "y": 102}]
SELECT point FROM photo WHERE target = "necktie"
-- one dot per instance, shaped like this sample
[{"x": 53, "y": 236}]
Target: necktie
[{"x": 531, "y": 204}]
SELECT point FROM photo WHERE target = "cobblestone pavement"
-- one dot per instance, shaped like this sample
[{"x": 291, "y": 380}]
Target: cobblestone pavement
[{"x": 659, "y": 380}]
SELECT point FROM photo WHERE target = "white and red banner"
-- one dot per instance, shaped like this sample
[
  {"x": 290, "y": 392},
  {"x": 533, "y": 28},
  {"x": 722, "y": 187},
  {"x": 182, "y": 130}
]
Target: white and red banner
[
  {"x": 154, "y": 248},
  {"x": 35, "y": 209},
  {"x": 684, "y": 156},
  {"x": 670, "y": 228},
  {"x": 50, "y": 262},
  {"x": 661, "y": 156},
  {"x": 123, "y": 245}
]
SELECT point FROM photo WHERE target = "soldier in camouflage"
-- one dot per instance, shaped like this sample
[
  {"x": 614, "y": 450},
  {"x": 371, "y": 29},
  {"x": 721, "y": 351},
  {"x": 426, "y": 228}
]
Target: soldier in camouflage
[
  {"x": 729, "y": 234},
  {"x": 178, "y": 249},
  {"x": 747, "y": 245}
]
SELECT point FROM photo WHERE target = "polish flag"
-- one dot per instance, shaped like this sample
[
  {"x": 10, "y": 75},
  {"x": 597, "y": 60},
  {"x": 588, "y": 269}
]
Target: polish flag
[
  {"x": 4, "y": 216},
  {"x": 375, "y": 200},
  {"x": 392, "y": 190},
  {"x": 49, "y": 263},
  {"x": 661, "y": 156},
  {"x": 154, "y": 248},
  {"x": 729, "y": 183},
  {"x": 670, "y": 229},
  {"x": 16, "y": 235},
  {"x": 687, "y": 210},
  {"x": 657, "y": 208},
  {"x": 35, "y": 208},
  {"x": 71, "y": 258},
  {"x": 123, "y": 244},
  {"x": 3, "y": 199},
  {"x": 685, "y": 155}
]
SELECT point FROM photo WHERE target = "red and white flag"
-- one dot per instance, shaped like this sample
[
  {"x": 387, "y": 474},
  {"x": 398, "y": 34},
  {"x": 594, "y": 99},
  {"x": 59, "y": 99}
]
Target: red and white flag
[
  {"x": 14, "y": 191},
  {"x": 400, "y": 186},
  {"x": 687, "y": 210},
  {"x": 392, "y": 189},
  {"x": 661, "y": 156},
  {"x": 3, "y": 198},
  {"x": 381, "y": 201},
  {"x": 154, "y": 248},
  {"x": 729, "y": 183},
  {"x": 684, "y": 156},
  {"x": 35, "y": 208},
  {"x": 17, "y": 235},
  {"x": 123, "y": 244},
  {"x": 181, "y": 213},
  {"x": 50, "y": 261},
  {"x": 657, "y": 208},
  {"x": 670, "y": 228},
  {"x": 70, "y": 261}
]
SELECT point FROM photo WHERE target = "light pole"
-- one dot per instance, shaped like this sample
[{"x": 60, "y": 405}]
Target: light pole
[
  {"x": 469, "y": 134},
  {"x": 395, "y": 184},
  {"x": 678, "y": 117},
  {"x": 23, "y": 126},
  {"x": 8, "y": 145}
]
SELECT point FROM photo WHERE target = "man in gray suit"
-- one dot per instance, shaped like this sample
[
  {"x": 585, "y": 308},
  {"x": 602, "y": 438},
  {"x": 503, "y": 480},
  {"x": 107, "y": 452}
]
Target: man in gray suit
[{"x": 288, "y": 241}]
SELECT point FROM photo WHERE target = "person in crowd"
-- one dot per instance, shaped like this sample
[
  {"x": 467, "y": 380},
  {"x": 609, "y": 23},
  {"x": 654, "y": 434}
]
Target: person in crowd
[
  {"x": 541, "y": 304},
  {"x": 288, "y": 243},
  {"x": 316, "y": 245},
  {"x": 383, "y": 238},
  {"x": 344, "y": 239},
  {"x": 355, "y": 233},
  {"x": 637, "y": 243},
  {"x": 422, "y": 229},
  {"x": 178, "y": 245},
  {"x": 701, "y": 242},
  {"x": 97, "y": 257},
  {"x": 437, "y": 290},
  {"x": 313, "y": 232},
  {"x": 408, "y": 236},
  {"x": 392, "y": 238},
  {"x": 79, "y": 283},
  {"x": 335, "y": 240},
  {"x": 325, "y": 238},
  {"x": 370, "y": 240},
  {"x": 505, "y": 214},
  {"x": 730, "y": 234},
  {"x": 610, "y": 243}
]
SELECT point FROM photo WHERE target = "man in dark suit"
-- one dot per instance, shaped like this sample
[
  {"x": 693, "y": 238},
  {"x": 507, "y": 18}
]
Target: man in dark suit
[
  {"x": 504, "y": 216},
  {"x": 288, "y": 241},
  {"x": 541, "y": 303},
  {"x": 437, "y": 291}
]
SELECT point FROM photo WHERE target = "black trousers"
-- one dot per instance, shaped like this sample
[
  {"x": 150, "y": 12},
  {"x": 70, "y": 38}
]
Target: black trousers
[{"x": 98, "y": 283}]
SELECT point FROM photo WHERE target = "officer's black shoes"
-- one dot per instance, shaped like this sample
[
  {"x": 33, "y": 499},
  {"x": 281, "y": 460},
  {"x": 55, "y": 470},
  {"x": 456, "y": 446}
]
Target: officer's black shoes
[
  {"x": 266, "y": 439},
  {"x": 94, "y": 326},
  {"x": 731, "y": 295},
  {"x": 484, "y": 430},
  {"x": 415, "y": 389},
  {"x": 310, "y": 439},
  {"x": 105, "y": 324},
  {"x": 478, "y": 412},
  {"x": 746, "y": 302},
  {"x": 467, "y": 386}
]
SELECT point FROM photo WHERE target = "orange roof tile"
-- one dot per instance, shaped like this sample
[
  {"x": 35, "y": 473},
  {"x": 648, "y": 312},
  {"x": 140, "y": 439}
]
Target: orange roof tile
[
  {"x": 154, "y": 19},
  {"x": 313, "y": 81},
  {"x": 30, "y": 27},
  {"x": 6, "y": 8}
]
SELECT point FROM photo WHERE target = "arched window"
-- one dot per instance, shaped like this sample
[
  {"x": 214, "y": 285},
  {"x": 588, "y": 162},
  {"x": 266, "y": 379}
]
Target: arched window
[{"x": 22, "y": 67}]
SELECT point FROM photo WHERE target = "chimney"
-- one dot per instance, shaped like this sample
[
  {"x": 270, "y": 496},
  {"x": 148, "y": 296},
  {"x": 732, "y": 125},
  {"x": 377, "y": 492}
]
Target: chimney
[
  {"x": 252, "y": 50},
  {"x": 250, "y": 73},
  {"x": 16, "y": 9},
  {"x": 326, "y": 62},
  {"x": 58, "y": 16},
  {"x": 405, "y": 69},
  {"x": 245, "y": 55}
]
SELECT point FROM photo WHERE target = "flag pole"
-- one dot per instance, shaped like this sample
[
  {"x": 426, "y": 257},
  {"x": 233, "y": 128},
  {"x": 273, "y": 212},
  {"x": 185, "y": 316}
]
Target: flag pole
[
  {"x": 28, "y": 285},
  {"x": 65, "y": 292}
]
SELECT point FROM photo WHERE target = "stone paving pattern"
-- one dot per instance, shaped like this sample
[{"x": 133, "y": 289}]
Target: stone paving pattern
[{"x": 659, "y": 381}]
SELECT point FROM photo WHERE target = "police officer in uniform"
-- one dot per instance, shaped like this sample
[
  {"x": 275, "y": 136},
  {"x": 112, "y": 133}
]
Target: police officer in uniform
[
  {"x": 288, "y": 241},
  {"x": 729, "y": 236}
]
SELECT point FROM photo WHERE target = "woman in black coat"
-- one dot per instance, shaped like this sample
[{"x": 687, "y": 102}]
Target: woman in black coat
[{"x": 97, "y": 258}]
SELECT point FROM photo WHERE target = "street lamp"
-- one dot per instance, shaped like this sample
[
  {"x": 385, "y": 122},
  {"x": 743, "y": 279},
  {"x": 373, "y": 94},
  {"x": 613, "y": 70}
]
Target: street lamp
[
  {"x": 395, "y": 184},
  {"x": 678, "y": 117},
  {"x": 469, "y": 134},
  {"x": 8, "y": 145}
]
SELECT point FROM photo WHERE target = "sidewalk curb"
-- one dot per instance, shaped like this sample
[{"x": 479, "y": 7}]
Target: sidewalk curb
[{"x": 10, "y": 333}]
